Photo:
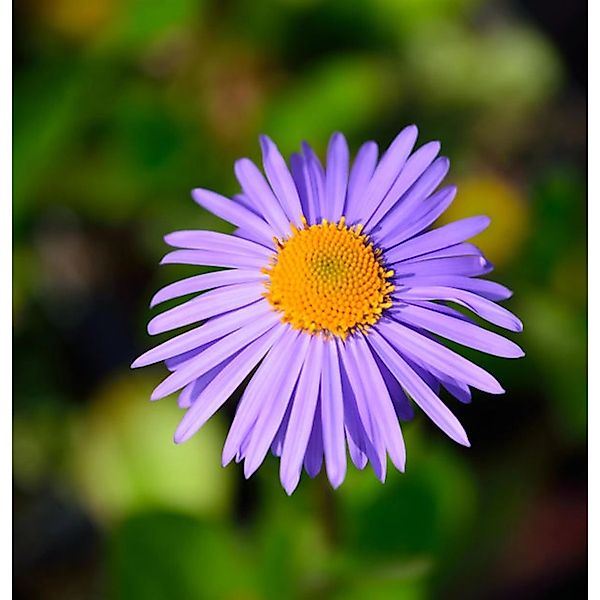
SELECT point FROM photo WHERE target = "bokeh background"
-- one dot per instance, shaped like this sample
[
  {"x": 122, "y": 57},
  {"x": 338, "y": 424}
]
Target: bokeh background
[{"x": 120, "y": 108}]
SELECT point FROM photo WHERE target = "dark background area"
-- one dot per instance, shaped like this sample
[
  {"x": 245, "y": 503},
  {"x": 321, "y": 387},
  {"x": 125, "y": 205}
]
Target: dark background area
[{"x": 120, "y": 108}]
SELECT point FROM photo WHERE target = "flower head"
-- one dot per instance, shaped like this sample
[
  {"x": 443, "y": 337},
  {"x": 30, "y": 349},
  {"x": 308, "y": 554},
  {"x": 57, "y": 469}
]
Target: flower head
[{"x": 332, "y": 299}]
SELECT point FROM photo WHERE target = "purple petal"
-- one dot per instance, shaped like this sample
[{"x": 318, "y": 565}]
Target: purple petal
[
  {"x": 336, "y": 177},
  {"x": 257, "y": 189},
  {"x": 456, "y": 250},
  {"x": 223, "y": 385},
  {"x": 369, "y": 423},
  {"x": 275, "y": 403},
  {"x": 428, "y": 351},
  {"x": 301, "y": 180},
  {"x": 207, "y": 305},
  {"x": 404, "y": 409},
  {"x": 302, "y": 416},
  {"x": 332, "y": 411},
  {"x": 435, "y": 409},
  {"x": 315, "y": 176},
  {"x": 482, "y": 287},
  {"x": 210, "y": 331},
  {"x": 234, "y": 213},
  {"x": 191, "y": 392},
  {"x": 313, "y": 459},
  {"x": 386, "y": 172},
  {"x": 277, "y": 444},
  {"x": 280, "y": 355},
  {"x": 217, "y": 353},
  {"x": 457, "y": 265},
  {"x": 422, "y": 217},
  {"x": 210, "y": 258},
  {"x": 360, "y": 447},
  {"x": 215, "y": 241},
  {"x": 486, "y": 309},
  {"x": 445, "y": 236},
  {"x": 246, "y": 203},
  {"x": 381, "y": 405},
  {"x": 360, "y": 175},
  {"x": 280, "y": 179},
  {"x": 205, "y": 281},
  {"x": 417, "y": 169}
]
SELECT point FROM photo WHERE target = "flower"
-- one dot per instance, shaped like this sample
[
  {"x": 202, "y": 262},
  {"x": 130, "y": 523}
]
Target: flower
[{"x": 331, "y": 301}]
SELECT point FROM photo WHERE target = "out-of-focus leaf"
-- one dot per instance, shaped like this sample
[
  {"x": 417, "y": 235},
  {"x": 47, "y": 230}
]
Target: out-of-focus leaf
[
  {"x": 124, "y": 459},
  {"x": 345, "y": 94},
  {"x": 506, "y": 69},
  {"x": 143, "y": 22},
  {"x": 165, "y": 555},
  {"x": 556, "y": 337},
  {"x": 420, "y": 512}
]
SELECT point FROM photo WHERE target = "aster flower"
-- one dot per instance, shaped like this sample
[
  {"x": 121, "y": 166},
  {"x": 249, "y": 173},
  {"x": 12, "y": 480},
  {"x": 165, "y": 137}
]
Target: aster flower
[{"x": 333, "y": 300}]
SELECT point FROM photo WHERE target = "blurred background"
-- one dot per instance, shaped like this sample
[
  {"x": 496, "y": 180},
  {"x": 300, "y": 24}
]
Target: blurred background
[{"x": 120, "y": 108}]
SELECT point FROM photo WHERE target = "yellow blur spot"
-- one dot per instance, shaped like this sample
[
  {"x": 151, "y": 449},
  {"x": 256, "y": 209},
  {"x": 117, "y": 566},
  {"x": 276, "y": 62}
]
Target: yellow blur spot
[
  {"x": 77, "y": 19},
  {"x": 490, "y": 195},
  {"x": 328, "y": 279}
]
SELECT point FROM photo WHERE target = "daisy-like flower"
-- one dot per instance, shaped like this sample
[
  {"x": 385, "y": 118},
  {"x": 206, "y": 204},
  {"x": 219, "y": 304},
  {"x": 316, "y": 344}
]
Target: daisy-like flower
[{"x": 332, "y": 300}]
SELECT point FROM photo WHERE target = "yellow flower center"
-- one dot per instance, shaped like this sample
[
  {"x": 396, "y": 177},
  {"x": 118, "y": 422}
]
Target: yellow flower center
[{"x": 328, "y": 279}]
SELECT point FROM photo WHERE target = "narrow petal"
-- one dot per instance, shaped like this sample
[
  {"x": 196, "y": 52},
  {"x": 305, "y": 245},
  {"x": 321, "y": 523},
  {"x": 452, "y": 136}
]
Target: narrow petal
[
  {"x": 416, "y": 169},
  {"x": 381, "y": 405},
  {"x": 210, "y": 258},
  {"x": 482, "y": 307},
  {"x": 277, "y": 443},
  {"x": 215, "y": 241},
  {"x": 458, "y": 265},
  {"x": 275, "y": 403},
  {"x": 456, "y": 250},
  {"x": 332, "y": 411},
  {"x": 300, "y": 177},
  {"x": 191, "y": 392},
  {"x": 257, "y": 189},
  {"x": 402, "y": 405},
  {"x": 401, "y": 211},
  {"x": 410, "y": 342},
  {"x": 208, "y": 332},
  {"x": 482, "y": 287},
  {"x": 302, "y": 416},
  {"x": 234, "y": 213},
  {"x": 336, "y": 177},
  {"x": 313, "y": 458},
  {"x": 435, "y": 409},
  {"x": 360, "y": 175},
  {"x": 280, "y": 179},
  {"x": 223, "y": 385},
  {"x": 207, "y": 305},
  {"x": 205, "y": 281},
  {"x": 280, "y": 355},
  {"x": 423, "y": 216},
  {"x": 458, "y": 389},
  {"x": 316, "y": 182},
  {"x": 445, "y": 236},
  {"x": 386, "y": 172},
  {"x": 215, "y": 354},
  {"x": 370, "y": 425}
]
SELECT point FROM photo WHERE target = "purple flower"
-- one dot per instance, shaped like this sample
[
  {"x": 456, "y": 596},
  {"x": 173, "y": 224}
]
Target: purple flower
[{"x": 333, "y": 296}]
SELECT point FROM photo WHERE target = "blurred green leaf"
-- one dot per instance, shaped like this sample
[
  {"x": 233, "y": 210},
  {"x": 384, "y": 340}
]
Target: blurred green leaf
[
  {"x": 164, "y": 555},
  {"x": 124, "y": 459},
  {"x": 345, "y": 94}
]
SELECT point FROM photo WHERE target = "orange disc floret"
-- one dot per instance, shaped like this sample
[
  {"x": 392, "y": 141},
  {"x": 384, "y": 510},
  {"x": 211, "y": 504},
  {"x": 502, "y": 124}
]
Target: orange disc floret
[{"x": 328, "y": 279}]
